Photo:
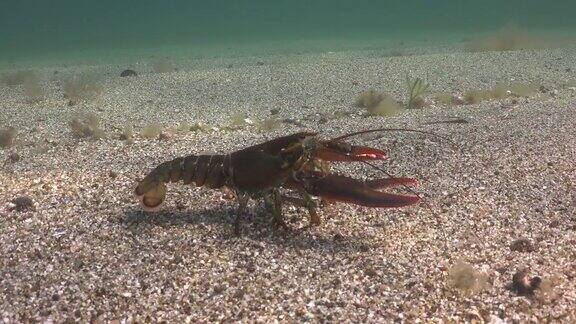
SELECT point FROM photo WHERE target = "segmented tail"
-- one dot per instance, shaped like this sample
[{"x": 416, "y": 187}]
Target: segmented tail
[{"x": 203, "y": 170}]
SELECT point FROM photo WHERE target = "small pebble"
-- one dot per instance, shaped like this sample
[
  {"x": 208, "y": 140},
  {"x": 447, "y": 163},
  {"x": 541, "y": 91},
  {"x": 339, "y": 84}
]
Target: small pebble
[
  {"x": 522, "y": 245},
  {"x": 523, "y": 285},
  {"x": 128, "y": 73},
  {"x": 23, "y": 203},
  {"x": 166, "y": 135},
  {"x": 14, "y": 157},
  {"x": 554, "y": 93}
]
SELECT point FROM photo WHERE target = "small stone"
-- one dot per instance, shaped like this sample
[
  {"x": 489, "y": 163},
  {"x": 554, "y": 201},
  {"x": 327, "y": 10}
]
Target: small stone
[
  {"x": 336, "y": 282},
  {"x": 554, "y": 93},
  {"x": 522, "y": 245},
  {"x": 219, "y": 289},
  {"x": 239, "y": 294},
  {"x": 370, "y": 272},
  {"x": 7, "y": 137},
  {"x": 554, "y": 223},
  {"x": 22, "y": 203},
  {"x": 524, "y": 286},
  {"x": 180, "y": 205},
  {"x": 14, "y": 157},
  {"x": 128, "y": 73},
  {"x": 458, "y": 100},
  {"x": 419, "y": 103},
  {"x": 338, "y": 237},
  {"x": 166, "y": 135}
]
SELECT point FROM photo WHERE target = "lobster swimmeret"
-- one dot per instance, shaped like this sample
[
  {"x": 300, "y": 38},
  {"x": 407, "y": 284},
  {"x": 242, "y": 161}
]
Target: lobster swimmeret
[{"x": 296, "y": 162}]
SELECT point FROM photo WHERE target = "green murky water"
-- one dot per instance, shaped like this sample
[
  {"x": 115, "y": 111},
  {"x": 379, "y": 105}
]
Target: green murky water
[{"x": 31, "y": 29}]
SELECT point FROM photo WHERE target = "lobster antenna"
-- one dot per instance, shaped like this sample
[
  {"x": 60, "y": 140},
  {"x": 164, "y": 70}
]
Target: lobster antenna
[
  {"x": 391, "y": 130},
  {"x": 403, "y": 185}
]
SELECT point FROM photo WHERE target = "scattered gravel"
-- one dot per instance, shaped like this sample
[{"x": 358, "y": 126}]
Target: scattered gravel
[{"x": 87, "y": 251}]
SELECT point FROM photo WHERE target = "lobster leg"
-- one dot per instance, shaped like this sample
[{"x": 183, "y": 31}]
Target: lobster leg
[
  {"x": 273, "y": 204},
  {"x": 345, "y": 189},
  {"x": 306, "y": 202},
  {"x": 309, "y": 203},
  {"x": 242, "y": 203}
]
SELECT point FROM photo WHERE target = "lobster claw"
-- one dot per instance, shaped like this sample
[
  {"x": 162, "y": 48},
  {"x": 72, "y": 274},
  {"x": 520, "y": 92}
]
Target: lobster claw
[
  {"x": 344, "y": 152},
  {"x": 345, "y": 189}
]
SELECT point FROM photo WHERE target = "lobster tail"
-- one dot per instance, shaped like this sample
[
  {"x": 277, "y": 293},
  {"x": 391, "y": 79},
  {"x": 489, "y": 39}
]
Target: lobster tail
[
  {"x": 153, "y": 199},
  {"x": 203, "y": 170},
  {"x": 151, "y": 191}
]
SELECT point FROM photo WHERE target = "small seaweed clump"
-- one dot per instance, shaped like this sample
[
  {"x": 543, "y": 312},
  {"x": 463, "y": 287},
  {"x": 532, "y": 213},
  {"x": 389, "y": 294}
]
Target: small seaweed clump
[
  {"x": 500, "y": 91},
  {"x": 417, "y": 89},
  {"x": 151, "y": 131},
  {"x": 18, "y": 77},
  {"x": 88, "y": 126},
  {"x": 378, "y": 104},
  {"x": 183, "y": 128},
  {"x": 239, "y": 121},
  {"x": 444, "y": 98},
  {"x": 7, "y": 137},
  {"x": 523, "y": 89},
  {"x": 268, "y": 124},
  {"x": 465, "y": 278},
  {"x": 476, "y": 96},
  {"x": 127, "y": 133},
  {"x": 450, "y": 99},
  {"x": 386, "y": 107},
  {"x": 29, "y": 80},
  {"x": 163, "y": 67},
  {"x": 508, "y": 38},
  {"x": 368, "y": 99},
  {"x": 81, "y": 88},
  {"x": 202, "y": 127},
  {"x": 33, "y": 89}
]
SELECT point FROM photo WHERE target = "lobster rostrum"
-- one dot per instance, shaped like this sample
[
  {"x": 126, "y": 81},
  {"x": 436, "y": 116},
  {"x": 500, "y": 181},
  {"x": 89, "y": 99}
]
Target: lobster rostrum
[{"x": 297, "y": 162}]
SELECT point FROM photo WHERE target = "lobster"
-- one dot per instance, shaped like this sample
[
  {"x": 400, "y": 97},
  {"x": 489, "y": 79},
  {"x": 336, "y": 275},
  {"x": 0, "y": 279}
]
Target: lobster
[{"x": 297, "y": 162}]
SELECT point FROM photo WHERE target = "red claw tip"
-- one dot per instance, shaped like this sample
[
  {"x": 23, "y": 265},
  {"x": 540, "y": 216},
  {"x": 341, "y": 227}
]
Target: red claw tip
[{"x": 364, "y": 153}]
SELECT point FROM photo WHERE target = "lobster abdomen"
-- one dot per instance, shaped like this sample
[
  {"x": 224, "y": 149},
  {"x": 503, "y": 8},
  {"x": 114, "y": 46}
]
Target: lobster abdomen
[{"x": 203, "y": 170}]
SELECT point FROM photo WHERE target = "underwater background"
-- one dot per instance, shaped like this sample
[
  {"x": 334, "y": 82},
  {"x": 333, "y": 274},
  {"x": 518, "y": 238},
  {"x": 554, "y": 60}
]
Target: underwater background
[{"x": 32, "y": 29}]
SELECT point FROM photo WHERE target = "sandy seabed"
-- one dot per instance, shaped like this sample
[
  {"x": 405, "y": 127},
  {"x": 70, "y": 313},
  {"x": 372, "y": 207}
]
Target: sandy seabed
[{"x": 86, "y": 251}]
